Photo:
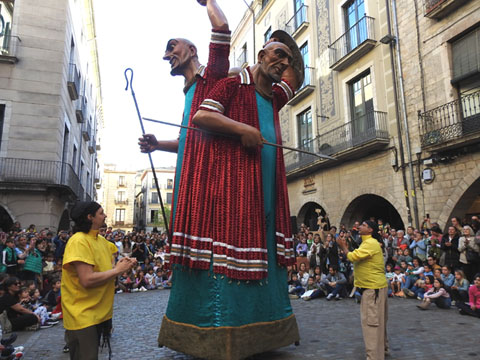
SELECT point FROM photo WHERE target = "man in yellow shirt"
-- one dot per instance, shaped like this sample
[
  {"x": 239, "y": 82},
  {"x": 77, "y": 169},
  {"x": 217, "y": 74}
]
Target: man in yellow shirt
[
  {"x": 369, "y": 275},
  {"x": 88, "y": 282}
]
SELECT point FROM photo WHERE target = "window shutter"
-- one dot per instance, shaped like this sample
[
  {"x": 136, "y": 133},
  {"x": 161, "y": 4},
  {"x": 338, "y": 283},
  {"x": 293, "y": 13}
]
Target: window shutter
[{"x": 466, "y": 56}]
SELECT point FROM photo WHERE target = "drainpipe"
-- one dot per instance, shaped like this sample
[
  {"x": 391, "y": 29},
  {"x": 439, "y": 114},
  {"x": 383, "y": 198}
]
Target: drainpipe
[
  {"x": 253, "y": 29},
  {"x": 397, "y": 115},
  {"x": 404, "y": 114}
]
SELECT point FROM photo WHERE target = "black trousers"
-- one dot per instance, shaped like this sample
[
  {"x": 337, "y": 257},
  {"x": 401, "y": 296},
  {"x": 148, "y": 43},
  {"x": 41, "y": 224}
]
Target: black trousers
[{"x": 22, "y": 321}]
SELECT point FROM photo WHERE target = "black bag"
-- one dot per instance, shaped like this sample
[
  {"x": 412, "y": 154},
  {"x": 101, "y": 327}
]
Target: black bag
[{"x": 472, "y": 256}]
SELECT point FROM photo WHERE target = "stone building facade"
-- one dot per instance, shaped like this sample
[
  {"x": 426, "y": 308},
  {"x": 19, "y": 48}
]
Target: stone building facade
[
  {"x": 119, "y": 197},
  {"x": 148, "y": 213},
  {"x": 374, "y": 70},
  {"x": 50, "y": 110}
]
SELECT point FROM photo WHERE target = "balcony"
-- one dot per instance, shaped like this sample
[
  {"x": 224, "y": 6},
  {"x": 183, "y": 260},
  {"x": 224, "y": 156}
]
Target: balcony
[
  {"x": 81, "y": 109},
  {"x": 349, "y": 141},
  {"x": 437, "y": 9},
  {"x": 351, "y": 46},
  {"x": 8, "y": 49},
  {"x": 26, "y": 174},
  {"x": 92, "y": 147},
  {"x": 87, "y": 132},
  {"x": 242, "y": 58},
  {"x": 299, "y": 22},
  {"x": 73, "y": 82},
  {"x": 121, "y": 201},
  {"x": 307, "y": 87},
  {"x": 451, "y": 125},
  {"x": 119, "y": 223}
]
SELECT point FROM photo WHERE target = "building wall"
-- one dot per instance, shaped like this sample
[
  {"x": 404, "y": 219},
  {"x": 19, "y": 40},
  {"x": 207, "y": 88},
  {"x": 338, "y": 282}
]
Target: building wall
[
  {"x": 112, "y": 200},
  {"x": 426, "y": 63},
  {"x": 39, "y": 108}
]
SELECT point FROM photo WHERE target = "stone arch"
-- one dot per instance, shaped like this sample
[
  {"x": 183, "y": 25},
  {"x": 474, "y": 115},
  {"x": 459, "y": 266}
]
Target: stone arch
[
  {"x": 400, "y": 207},
  {"x": 308, "y": 214},
  {"x": 367, "y": 205},
  {"x": 6, "y": 218},
  {"x": 456, "y": 201},
  {"x": 64, "y": 223}
]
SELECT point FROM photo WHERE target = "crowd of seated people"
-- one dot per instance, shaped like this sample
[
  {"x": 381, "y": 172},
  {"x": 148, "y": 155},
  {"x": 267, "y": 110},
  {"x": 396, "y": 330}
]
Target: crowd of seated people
[{"x": 423, "y": 264}]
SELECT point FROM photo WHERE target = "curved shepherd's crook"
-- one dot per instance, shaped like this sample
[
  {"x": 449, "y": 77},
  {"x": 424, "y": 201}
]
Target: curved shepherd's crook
[{"x": 130, "y": 83}]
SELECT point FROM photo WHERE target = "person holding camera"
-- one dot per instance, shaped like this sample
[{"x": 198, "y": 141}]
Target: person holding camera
[{"x": 370, "y": 279}]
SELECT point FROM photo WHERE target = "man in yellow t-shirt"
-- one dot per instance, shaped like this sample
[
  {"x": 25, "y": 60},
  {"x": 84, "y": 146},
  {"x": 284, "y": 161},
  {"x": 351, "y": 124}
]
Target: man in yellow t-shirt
[
  {"x": 88, "y": 282},
  {"x": 370, "y": 279}
]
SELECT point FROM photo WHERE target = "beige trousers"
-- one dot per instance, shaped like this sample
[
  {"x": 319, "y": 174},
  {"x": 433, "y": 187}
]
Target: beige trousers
[{"x": 374, "y": 313}]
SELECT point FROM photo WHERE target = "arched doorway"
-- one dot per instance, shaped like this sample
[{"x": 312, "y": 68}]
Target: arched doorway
[
  {"x": 6, "y": 221},
  {"x": 468, "y": 204},
  {"x": 369, "y": 205},
  {"x": 64, "y": 223},
  {"x": 309, "y": 213}
]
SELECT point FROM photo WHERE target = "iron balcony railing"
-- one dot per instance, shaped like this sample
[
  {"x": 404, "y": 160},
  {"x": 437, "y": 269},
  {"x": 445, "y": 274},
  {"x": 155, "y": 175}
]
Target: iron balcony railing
[
  {"x": 74, "y": 81},
  {"x": 431, "y": 5},
  {"x": 92, "y": 145},
  {"x": 450, "y": 121},
  {"x": 309, "y": 78},
  {"x": 81, "y": 109},
  {"x": 40, "y": 172},
  {"x": 121, "y": 201},
  {"x": 297, "y": 20},
  {"x": 362, "y": 31},
  {"x": 9, "y": 45},
  {"x": 364, "y": 129},
  {"x": 87, "y": 132}
]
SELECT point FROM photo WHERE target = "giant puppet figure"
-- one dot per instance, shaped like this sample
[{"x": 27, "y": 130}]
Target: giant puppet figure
[{"x": 232, "y": 239}]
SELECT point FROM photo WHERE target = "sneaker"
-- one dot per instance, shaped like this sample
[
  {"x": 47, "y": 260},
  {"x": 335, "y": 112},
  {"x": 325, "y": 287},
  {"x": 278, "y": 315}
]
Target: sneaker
[
  {"x": 143, "y": 289},
  {"x": 55, "y": 316},
  {"x": 66, "y": 349},
  {"x": 18, "y": 349},
  {"x": 46, "y": 326},
  {"x": 358, "y": 298},
  {"x": 307, "y": 298},
  {"x": 329, "y": 297},
  {"x": 454, "y": 303},
  {"x": 9, "y": 340},
  {"x": 52, "y": 322},
  {"x": 337, "y": 297},
  {"x": 409, "y": 292},
  {"x": 134, "y": 290},
  {"x": 293, "y": 296},
  {"x": 119, "y": 291}
]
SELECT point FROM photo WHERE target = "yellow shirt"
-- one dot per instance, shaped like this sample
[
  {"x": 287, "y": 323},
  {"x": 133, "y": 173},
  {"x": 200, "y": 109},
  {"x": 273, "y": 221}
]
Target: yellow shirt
[
  {"x": 83, "y": 307},
  {"x": 368, "y": 266}
]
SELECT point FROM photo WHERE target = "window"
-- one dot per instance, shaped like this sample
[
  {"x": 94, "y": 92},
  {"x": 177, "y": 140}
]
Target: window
[
  {"x": 299, "y": 15},
  {"x": 242, "y": 58},
  {"x": 80, "y": 174},
  {"x": 356, "y": 31},
  {"x": 121, "y": 196},
  {"x": 74, "y": 156},
  {"x": 305, "y": 131},
  {"x": 119, "y": 215},
  {"x": 154, "y": 216},
  {"x": 169, "y": 198},
  {"x": 361, "y": 99},
  {"x": 267, "y": 35},
  {"x": 2, "y": 121},
  {"x": 6, "y": 16},
  {"x": 169, "y": 184},
  {"x": 306, "y": 61},
  {"x": 466, "y": 57},
  {"x": 154, "y": 198},
  {"x": 121, "y": 180}
]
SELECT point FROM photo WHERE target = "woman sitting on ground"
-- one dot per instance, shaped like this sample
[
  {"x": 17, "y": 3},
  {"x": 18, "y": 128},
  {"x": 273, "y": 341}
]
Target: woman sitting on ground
[
  {"x": 20, "y": 317},
  {"x": 459, "y": 289},
  {"x": 473, "y": 307},
  {"x": 437, "y": 295}
]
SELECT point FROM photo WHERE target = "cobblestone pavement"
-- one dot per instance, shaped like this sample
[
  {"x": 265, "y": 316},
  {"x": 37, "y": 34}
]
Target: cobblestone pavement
[{"x": 329, "y": 330}]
